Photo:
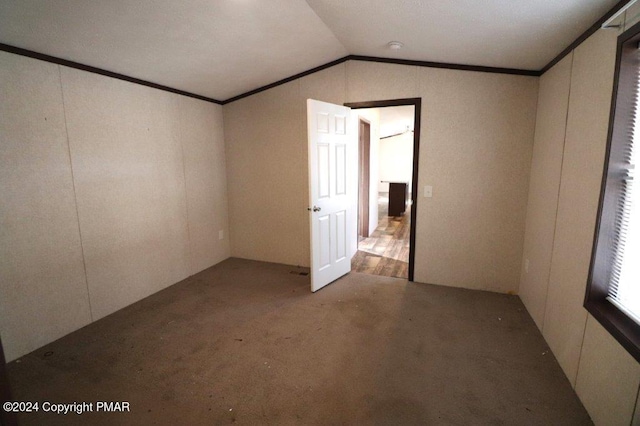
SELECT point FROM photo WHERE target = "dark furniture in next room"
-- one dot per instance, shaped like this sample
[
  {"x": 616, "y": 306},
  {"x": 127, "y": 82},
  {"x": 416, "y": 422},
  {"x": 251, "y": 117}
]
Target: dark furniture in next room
[{"x": 398, "y": 194}]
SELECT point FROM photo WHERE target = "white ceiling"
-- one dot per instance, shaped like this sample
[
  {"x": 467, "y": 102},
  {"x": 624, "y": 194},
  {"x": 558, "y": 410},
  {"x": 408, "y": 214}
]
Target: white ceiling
[
  {"x": 222, "y": 48},
  {"x": 214, "y": 48},
  {"x": 496, "y": 33}
]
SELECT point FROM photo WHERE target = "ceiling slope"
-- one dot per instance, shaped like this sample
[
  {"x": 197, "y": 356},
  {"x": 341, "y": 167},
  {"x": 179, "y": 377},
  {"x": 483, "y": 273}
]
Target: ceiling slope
[
  {"x": 214, "y": 48},
  {"x": 495, "y": 33},
  {"x": 223, "y": 48}
]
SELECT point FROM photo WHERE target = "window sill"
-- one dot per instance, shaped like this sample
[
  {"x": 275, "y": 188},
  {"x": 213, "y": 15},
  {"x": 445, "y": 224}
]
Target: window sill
[{"x": 621, "y": 327}]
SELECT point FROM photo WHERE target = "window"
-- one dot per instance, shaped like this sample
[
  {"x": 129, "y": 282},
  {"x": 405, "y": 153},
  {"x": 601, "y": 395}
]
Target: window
[{"x": 613, "y": 290}]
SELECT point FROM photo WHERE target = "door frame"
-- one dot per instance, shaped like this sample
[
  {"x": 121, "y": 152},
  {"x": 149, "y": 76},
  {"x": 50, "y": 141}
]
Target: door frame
[{"x": 417, "y": 104}]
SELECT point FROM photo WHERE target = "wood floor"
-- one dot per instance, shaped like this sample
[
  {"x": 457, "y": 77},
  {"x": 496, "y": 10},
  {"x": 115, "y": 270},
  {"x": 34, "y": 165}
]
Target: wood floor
[{"x": 386, "y": 251}]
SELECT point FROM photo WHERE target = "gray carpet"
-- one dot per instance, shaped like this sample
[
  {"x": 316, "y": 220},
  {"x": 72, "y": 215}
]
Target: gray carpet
[{"x": 246, "y": 342}]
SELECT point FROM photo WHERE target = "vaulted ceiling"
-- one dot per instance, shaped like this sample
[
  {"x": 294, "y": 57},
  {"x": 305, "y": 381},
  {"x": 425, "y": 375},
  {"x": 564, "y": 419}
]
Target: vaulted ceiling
[{"x": 222, "y": 48}]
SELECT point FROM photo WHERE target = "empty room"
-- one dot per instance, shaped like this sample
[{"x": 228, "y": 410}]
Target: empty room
[{"x": 205, "y": 219}]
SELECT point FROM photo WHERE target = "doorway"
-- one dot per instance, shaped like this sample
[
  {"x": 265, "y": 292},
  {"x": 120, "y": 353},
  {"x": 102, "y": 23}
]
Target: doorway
[{"x": 389, "y": 135}]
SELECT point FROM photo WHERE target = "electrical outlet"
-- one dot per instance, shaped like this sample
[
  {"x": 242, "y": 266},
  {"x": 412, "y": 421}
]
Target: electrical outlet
[{"x": 221, "y": 235}]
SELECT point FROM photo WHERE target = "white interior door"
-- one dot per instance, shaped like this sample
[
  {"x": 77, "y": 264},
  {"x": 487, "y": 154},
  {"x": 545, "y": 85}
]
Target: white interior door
[{"x": 332, "y": 155}]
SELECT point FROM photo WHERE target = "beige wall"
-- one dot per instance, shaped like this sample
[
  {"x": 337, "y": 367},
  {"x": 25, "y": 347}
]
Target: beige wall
[
  {"x": 111, "y": 191},
  {"x": 266, "y": 146},
  {"x": 267, "y": 204},
  {"x": 477, "y": 137},
  {"x": 43, "y": 290},
  {"x": 396, "y": 160},
  {"x": 544, "y": 185},
  {"x": 571, "y": 133},
  {"x": 476, "y": 144}
]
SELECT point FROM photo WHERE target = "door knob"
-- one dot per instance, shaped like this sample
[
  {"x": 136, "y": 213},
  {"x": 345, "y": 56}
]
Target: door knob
[{"x": 315, "y": 208}]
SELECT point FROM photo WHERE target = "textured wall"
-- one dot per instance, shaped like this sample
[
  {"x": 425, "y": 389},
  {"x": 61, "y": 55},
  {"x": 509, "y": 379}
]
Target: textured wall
[
  {"x": 476, "y": 152},
  {"x": 470, "y": 234},
  {"x": 202, "y": 136},
  {"x": 111, "y": 191},
  {"x": 129, "y": 180},
  {"x": 571, "y": 135},
  {"x": 267, "y": 165},
  {"x": 584, "y": 147},
  {"x": 267, "y": 176},
  {"x": 396, "y": 160},
  {"x": 544, "y": 185},
  {"x": 43, "y": 291}
]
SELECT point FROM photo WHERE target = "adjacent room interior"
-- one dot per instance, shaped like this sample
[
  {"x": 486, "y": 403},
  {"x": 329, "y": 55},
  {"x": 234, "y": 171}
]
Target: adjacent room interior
[
  {"x": 386, "y": 170},
  {"x": 158, "y": 210}
]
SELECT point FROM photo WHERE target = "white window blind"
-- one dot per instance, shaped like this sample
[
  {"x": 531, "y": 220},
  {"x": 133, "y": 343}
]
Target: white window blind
[{"x": 624, "y": 285}]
